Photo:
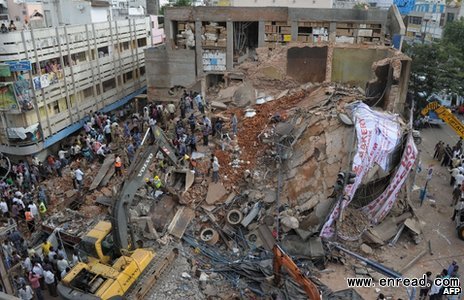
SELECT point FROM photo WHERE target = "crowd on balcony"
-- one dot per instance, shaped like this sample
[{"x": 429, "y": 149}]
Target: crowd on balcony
[{"x": 11, "y": 27}]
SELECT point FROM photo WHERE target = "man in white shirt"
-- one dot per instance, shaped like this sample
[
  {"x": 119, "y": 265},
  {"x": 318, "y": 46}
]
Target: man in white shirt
[
  {"x": 454, "y": 172},
  {"x": 79, "y": 178},
  {"x": 18, "y": 201},
  {"x": 26, "y": 293},
  {"x": 37, "y": 269},
  {"x": 435, "y": 289},
  {"x": 62, "y": 264},
  {"x": 3, "y": 207},
  {"x": 50, "y": 282},
  {"x": 107, "y": 131},
  {"x": 27, "y": 264},
  {"x": 62, "y": 156},
  {"x": 34, "y": 210},
  {"x": 459, "y": 179}
]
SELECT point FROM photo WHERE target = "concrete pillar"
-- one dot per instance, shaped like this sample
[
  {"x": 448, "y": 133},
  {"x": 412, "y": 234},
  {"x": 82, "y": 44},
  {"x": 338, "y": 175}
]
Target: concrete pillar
[
  {"x": 294, "y": 31},
  {"x": 230, "y": 46},
  {"x": 198, "y": 49},
  {"x": 382, "y": 34},
  {"x": 261, "y": 34},
  {"x": 332, "y": 32},
  {"x": 168, "y": 33}
]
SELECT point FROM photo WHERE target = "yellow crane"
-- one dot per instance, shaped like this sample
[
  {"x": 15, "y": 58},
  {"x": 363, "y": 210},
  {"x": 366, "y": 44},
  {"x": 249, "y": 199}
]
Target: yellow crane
[
  {"x": 113, "y": 268},
  {"x": 446, "y": 115}
]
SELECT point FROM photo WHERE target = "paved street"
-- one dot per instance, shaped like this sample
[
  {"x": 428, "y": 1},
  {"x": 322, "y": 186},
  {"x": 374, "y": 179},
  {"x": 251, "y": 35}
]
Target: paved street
[{"x": 437, "y": 225}]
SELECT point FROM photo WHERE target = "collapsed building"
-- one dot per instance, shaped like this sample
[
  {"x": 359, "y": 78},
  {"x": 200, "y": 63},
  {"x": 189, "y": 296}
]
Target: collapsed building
[{"x": 317, "y": 92}]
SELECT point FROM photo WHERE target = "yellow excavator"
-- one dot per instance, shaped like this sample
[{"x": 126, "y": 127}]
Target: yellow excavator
[
  {"x": 446, "y": 115},
  {"x": 113, "y": 269}
]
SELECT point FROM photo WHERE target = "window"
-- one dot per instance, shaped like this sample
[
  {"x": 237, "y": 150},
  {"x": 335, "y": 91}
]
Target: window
[
  {"x": 415, "y": 20},
  {"x": 128, "y": 76},
  {"x": 54, "y": 108},
  {"x": 109, "y": 84},
  {"x": 79, "y": 57},
  {"x": 88, "y": 92},
  {"x": 142, "y": 71},
  {"x": 142, "y": 42},
  {"x": 124, "y": 46},
  {"x": 450, "y": 17}
]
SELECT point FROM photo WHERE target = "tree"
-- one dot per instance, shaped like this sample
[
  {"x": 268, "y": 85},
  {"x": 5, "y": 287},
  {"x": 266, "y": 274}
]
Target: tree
[
  {"x": 439, "y": 66},
  {"x": 183, "y": 3}
]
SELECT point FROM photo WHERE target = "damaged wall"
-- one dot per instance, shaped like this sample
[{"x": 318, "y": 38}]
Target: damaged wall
[
  {"x": 166, "y": 69},
  {"x": 307, "y": 64},
  {"x": 320, "y": 153},
  {"x": 354, "y": 65}
]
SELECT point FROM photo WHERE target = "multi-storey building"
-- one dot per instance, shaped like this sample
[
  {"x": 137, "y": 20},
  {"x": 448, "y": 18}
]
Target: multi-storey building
[
  {"x": 51, "y": 78},
  {"x": 428, "y": 18},
  {"x": 275, "y": 3}
]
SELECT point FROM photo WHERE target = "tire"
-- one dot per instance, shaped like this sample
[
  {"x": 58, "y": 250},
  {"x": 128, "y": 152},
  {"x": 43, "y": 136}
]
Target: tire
[{"x": 460, "y": 231}]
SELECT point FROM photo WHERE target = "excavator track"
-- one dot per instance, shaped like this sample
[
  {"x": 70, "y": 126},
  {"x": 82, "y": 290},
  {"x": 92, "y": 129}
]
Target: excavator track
[{"x": 145, "y": 283}]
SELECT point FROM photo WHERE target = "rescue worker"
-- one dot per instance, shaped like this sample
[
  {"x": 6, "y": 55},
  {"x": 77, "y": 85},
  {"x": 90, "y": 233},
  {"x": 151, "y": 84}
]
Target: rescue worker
[
  {"x": 29, "y": 220},
  {"x": 157, "y": 182},
  {"x": 118, "y": 165},
  {"x": 42, "y": 209}
]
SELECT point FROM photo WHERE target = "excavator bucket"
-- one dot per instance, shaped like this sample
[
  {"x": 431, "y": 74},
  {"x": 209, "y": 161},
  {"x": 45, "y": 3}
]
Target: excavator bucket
[{"x": 180, "y": 180}]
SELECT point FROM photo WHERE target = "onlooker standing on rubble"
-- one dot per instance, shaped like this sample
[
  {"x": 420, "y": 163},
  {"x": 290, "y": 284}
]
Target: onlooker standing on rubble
[
  {"x": 57, "y": 166},
  {"x": 62, "y": 156},
  {"x": 4, "y": 208},
  {"x": 107, "y": 131},
  {"x": 205, "y": 132},
  {"x": 131, "y": 152},
  {"x": 234, "y": 122},
  {"x": 183, "y": 108},
  {"x": 192, "y": 122},
  {"x": 171, "y": 110},
  {"x": 215, "y": 167}
]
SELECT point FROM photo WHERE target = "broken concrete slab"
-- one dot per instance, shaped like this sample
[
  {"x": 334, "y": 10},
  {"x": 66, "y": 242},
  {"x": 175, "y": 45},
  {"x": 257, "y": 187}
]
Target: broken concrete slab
[
  {"x": 70, "y": 193},
  {"x": 305, "y": 234},
  {"x": 216, "y": 193},
  {"x": 162, "y": 212},
  {"x": 107, "y": 163},
  {"x": 366, "y": 249},
  {"x": 251, "y": 215},
  {"x": 197, "y": 155},
  {"x": 181, "y": 220},
  {"x": 227, "y": 93},
  {"x": 414, "y": 225},
  {"x": 296, "y": 246},
  {"x": 106, "y": 201},
  {"x": 218, "y": 105},
  {"x": 266, "y": 237},
  {"x": 107, "y": 177},
  {"x": 244, "y": 95}
]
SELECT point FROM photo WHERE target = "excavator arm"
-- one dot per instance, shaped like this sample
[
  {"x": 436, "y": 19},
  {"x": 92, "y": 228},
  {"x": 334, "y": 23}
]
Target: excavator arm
[
  {"x": 447, "y": 116},
  {"x": 134, "y": 180},
  {"x": 283, "y": 259}
]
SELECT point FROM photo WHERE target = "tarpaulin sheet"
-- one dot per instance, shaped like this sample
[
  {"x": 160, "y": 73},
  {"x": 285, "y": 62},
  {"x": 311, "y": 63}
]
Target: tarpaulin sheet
[{"x": 378, "y": 134}]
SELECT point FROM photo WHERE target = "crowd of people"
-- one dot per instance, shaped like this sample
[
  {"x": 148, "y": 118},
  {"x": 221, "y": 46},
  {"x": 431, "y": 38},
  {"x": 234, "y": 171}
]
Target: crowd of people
[{"x": 24, "y": 200}]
